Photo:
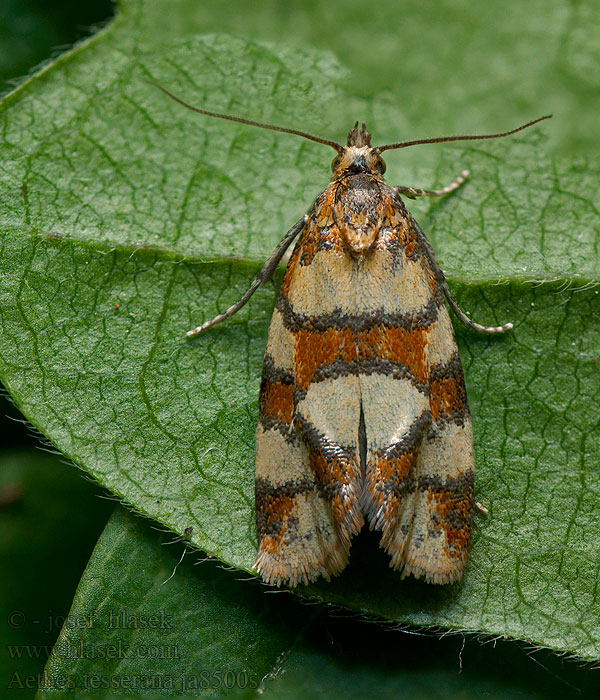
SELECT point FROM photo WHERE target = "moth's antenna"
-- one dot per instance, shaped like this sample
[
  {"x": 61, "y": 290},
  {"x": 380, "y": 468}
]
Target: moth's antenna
[
  {"x": 405, "y": 144},
  {"x": 240, "y": 120}
]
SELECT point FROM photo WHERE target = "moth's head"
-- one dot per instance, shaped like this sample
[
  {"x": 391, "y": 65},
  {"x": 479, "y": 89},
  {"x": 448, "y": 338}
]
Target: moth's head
[{"x": 357, "y": 156}]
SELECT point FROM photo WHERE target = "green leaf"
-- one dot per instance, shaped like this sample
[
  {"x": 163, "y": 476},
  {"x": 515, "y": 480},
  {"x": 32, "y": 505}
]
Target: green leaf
[
  {"x": 50, "y": 519},
  {"x": 178, "y": 627},
  {"x": 140, "y": 617},
  {"x": 126, "y": 220}
]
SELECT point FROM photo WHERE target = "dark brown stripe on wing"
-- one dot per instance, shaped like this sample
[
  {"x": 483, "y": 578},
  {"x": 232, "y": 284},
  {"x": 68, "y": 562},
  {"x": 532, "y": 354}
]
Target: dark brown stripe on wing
[
  {"x": 337, "y": 472},
  {"x": 420, "y": 319},
  {"x": 451, "y": 506},
  {"x": 452, "y": 367},
  {"x": 319, "y": 442},
  {"x": 274, "y": 504},
  {"x": 391, "y": 469},
  {"x": 446, "y": 492},
  {"x": 448, "y": 395},
  {"x": 265, "y": 491},
  {"x": 269, "y": 422},
  {"x": 276, "y": 403},
  {"x": 368, "y": 366},
  {"x": 273, "y": 373},
  {"x": 391, "y": 472},
  {"x": 410, "y": 440},
  {"x": 456, "y": 485}
]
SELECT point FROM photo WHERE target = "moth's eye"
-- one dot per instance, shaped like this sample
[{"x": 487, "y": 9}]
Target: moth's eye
[
  {"x": 335, "y": 162},
  {"x": 381, "y": 165}
]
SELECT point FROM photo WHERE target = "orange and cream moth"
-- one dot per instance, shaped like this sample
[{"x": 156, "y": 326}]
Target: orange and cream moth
[{"x": 363, "y": 414}]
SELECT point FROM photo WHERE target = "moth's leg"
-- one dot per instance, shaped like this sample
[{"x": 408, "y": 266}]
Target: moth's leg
[
  {"x": 414, "y": 192},
  {"x": 261, "y": 278},
  {"x": 285, "y": 258},
  {"x": 441, "y": 280},
  {"x": 481, "y": 508}
]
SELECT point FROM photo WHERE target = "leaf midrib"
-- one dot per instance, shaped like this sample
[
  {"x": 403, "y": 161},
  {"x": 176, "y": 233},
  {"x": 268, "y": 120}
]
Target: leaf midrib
[{"x": 162, "y": 254}]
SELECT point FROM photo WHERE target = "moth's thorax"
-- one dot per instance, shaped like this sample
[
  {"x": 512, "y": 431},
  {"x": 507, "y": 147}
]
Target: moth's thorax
[{"x": 362, "y": 205}]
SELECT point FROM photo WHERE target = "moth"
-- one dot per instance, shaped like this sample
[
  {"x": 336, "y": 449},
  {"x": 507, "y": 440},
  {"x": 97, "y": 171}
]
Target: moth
[{"x": 363, "y": 414}]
